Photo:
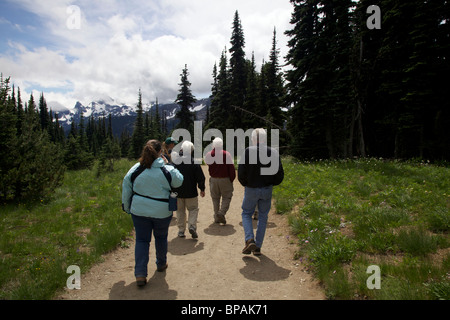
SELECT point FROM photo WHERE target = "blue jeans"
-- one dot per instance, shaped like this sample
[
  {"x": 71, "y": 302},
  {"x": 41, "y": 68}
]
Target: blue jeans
[
  {"x": 144, "y": 228},
  {"x": 261, "y": 197}
]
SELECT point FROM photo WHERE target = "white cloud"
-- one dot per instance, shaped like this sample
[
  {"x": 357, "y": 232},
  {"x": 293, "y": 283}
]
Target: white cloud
[{"x": 123, "y": 46}]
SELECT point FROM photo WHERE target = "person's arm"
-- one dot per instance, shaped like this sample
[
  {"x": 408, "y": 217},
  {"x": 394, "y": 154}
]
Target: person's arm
[
  {"x": 230, "y": 167},
  {"x": 200, "y": 178},
  {"x": 242, "y": 169},
  {"x": 127, "y": 190},
  {"x": 279, "y": 176},
  {"x": 177, "y": 178}
]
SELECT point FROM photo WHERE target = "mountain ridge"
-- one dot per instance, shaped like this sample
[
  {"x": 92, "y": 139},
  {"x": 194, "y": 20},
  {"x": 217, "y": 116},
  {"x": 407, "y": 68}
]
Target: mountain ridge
[{"x": 123, "y": 116}]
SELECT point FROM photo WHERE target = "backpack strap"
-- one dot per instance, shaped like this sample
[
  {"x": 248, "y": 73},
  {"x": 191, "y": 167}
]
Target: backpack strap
[
  {"x": 136, "y": 173},
  {"x": 141, "y": 169},
  {"x": 168, "y": 176}
]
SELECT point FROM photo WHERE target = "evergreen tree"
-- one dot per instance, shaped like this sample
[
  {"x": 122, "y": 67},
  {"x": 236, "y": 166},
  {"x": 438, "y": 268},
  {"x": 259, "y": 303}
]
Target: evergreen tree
[
  {"x": 158, "y": 133},
  {"x": 185, "y": 99},
  {"x": 20, "y": 113},
  {"x": 274, "y": 85},
  {"x": 25, "y": 170},
  {"x": 125, "y": 142},
  {"x": 77, "y": 153},
  {"x": 8, "y": 142},
  {"x": 251, "y": 100},
  {"x": 303, "y": 56},
  {"x": 43, "y": 113},
  {"x": 319, "y": 83},
  {"x": 138, "y": 138},
  {"x": 238, "y": 72},
  {"x": 221, "y": 99}
]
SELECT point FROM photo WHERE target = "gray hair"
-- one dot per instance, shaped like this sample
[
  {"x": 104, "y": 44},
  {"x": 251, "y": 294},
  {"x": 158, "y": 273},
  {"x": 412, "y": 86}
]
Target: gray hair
[
  {"x": 259, "y": 136},
  {"x": 187, "y": 147},
  {"x": 218, "y": 143}
]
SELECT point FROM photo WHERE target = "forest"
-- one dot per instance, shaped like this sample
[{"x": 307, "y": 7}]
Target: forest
[{"x": 344, "y": 90}]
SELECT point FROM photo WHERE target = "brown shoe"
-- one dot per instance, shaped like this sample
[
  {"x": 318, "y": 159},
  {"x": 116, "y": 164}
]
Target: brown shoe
[
  {"x": 141, "y": 281},
  {"x": 250, "y": 246}
]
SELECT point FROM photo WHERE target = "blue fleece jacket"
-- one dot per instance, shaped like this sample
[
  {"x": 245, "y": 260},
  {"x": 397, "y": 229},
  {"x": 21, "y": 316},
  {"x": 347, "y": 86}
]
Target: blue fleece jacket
[{"x": 151, "y": 183}]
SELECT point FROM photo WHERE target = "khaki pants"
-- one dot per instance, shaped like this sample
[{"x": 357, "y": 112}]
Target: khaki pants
[
  {"x": 191, "y": 204},
  {"x": 221, "y": 188}
]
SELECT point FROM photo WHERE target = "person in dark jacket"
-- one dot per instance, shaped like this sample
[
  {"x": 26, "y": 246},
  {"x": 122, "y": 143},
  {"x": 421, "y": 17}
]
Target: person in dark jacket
[
  {"x": 259, "y": 170},
  {"x": 187, "y": 193}
]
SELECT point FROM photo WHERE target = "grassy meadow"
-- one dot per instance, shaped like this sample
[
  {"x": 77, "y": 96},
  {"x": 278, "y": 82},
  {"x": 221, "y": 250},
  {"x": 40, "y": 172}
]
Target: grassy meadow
[
  {"x": 349, "y": 215},
  {"x": 80, "y": 222}
]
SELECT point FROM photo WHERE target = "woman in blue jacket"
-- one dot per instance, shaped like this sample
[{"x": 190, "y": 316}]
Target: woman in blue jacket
[{"x": 145, "y": 199}]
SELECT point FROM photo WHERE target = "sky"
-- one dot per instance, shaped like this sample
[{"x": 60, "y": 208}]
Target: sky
[{"x": 90, "y": 50}]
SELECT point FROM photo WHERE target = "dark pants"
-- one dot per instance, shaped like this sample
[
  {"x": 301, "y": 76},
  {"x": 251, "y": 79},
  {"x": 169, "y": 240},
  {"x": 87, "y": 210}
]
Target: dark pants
[{"x": 144, "y": 228}]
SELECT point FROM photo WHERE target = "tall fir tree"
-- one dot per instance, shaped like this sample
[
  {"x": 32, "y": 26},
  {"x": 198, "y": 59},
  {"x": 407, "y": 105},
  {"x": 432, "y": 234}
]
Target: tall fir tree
[
  {"x": 8, "y": 142},
  {"x": 275, "y": 95},
  {"x": 221, "y": 99},
  {"x": 238, "y": 72},
  {"x": 43, "y": 112},
  {"x": 185, "y": 99},
  {"x": 138, "y": 137}
]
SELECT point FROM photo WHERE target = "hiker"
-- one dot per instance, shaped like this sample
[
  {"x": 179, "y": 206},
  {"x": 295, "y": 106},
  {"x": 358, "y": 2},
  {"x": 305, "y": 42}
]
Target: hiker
[
  {"x": 146, "y": 199},
  {"x": 222, "y": 174},
  {"x": 187, "y": 193},
  {"x": 167, "y": 147},
  {"x": 258, "y": 188}
]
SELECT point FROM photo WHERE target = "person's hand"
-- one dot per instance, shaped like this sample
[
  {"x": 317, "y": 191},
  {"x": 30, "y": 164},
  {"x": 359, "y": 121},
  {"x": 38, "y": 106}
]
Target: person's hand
[
  {"x": 202, "y": 194},
  {"x": 164, "y": 158}
]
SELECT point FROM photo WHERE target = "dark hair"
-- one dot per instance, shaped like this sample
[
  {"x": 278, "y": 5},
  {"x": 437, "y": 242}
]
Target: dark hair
[{"x": 150, "y": 153}]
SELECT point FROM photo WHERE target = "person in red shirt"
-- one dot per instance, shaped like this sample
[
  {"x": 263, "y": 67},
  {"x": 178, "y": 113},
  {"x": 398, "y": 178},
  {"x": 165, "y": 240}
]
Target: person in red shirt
[{"x": 222, "y": 174}]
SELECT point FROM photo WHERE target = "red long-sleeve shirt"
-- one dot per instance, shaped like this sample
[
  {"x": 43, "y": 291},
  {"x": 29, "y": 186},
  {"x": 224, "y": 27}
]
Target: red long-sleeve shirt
[{"x": 223, "y": 169}]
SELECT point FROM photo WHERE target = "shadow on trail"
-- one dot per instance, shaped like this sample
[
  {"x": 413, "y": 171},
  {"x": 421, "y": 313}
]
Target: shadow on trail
[
  {"x": 215, "y": 229},
  {"x": 269, "y": 225},
  {"x": 263, "y": 268},
  {"x": 155, "y": 289},
  {"x": 182, "y": 246}
]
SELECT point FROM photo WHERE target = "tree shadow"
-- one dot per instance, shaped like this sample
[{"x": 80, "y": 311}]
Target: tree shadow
[
  {"x": 155, "y": 289},
  {"x": 269, "y": 225},
  {"x": 215, "y": 229},
  {"x": 182, "y": 246},
  {"x": 262, "y": 268}
]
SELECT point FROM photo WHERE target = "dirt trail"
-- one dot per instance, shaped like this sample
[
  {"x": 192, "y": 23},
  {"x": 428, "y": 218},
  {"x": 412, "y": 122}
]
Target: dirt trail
[{"x": 211, "y": 267}]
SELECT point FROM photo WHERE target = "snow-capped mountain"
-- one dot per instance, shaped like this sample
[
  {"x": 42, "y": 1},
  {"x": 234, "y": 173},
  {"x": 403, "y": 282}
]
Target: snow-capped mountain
[{"x": 124, "y": 115}]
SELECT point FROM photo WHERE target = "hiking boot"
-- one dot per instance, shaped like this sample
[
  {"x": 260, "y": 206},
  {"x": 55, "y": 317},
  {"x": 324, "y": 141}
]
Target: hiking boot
[
  {"x": 250, "y": 246},
  {"x": 257, "y": 251},
  {"x": 216, "y": 218},
  {"x": 193, "y": 232},
  {"x": 221, "y": 219},
  {"x": 141, "y": 281},
  {"x": 181, "y": 234},
  {"x": 163, "y": 268}
]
